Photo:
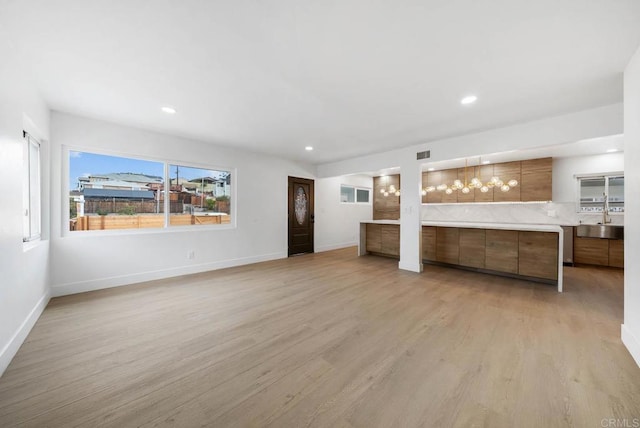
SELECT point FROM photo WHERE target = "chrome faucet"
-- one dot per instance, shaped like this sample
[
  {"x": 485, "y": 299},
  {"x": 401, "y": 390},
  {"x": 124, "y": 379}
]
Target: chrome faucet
[{"x": 605, "y": 209}]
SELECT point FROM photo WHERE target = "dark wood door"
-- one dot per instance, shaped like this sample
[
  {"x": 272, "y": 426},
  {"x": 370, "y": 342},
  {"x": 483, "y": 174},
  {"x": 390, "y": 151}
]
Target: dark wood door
[{"x": 301, "y": 216}]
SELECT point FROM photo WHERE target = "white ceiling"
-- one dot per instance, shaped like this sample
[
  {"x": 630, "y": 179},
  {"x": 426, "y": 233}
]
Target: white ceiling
[{"x": 347, "y": 77}]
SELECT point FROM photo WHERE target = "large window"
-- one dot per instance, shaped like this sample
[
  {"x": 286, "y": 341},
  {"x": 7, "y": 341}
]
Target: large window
[
  {"x": 112, "y": 192},
  {"x": 31, "y": 189},
  {"x": 601, "y": 192},
  {"x": 354, "y": 195}
]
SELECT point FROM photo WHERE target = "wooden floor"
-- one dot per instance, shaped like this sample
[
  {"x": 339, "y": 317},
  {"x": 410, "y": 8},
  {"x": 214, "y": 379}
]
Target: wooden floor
[{"x": 329, "y": 340}]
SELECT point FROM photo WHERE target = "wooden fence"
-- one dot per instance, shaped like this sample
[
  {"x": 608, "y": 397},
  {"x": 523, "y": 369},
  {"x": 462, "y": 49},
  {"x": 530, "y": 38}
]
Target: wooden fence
[{"x": 144, "y": 221}]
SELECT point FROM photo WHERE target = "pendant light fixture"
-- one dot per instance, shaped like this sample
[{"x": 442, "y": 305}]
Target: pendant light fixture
[{"x": 389, "y": 189}]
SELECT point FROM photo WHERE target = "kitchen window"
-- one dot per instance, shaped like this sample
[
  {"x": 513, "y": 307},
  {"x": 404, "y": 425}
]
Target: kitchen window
[
  {"x": 597, "y": 192},
  {"x": 354, "y": 195}
]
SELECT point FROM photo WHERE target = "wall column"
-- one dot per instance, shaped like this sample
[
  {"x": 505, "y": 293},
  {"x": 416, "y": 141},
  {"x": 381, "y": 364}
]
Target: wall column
[
  {"x": 410, "y": 218},
  {"x": 631, "y": 326}
]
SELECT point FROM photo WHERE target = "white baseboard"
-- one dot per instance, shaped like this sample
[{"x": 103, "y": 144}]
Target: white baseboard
[
  {"x": 11, "y": 348},
  {"x": 120, "y": 280},
  {"x": 631, "y": 342},
  {"x": 322, "y": 248},
  {"x": 413, "y": 267}
]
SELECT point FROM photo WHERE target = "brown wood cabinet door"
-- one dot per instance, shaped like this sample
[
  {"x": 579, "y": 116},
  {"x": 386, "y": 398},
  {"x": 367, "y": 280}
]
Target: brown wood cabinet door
[
  {"x": 538, "y": 254},
  {"x": 506, "y": 172},
  {"x": 448, "y": 177},
  {"x": 485, "y": 172},
  {"x": 616, "y": 253},
  {"x": 502, "y": 250},
  {"x": 591, "y": 251},
  {"x": 391, "y": 239},
  {"x": 429, "y": 243},
  {"x": 386, "y": 207},
  {"x": 434, "y": 178},
  {"x": 466, "y": 197},
  {"x": 374, "y": 238},
  {"x": 472, "y": 247},
  {"x": 447, "y": 245},
  {"x": 536, "y": 183}
]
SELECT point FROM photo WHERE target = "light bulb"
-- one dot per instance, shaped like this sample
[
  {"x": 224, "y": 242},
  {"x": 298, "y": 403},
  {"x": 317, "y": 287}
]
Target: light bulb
[
  {"x": 392, "y": 188},
  {"x": 512, "y": 183},
  {"x": 397, "y": 193},
  {"x": 495, "y": 179},
  {"x": 424, "y": 192},
  {"x": 505, "y": 187},
  {"x": 442, "y": 187},
  {"x": 382, "y": 191},
  {"x": 484, "y": 189},
  {"x": 430, "y": 189},
  {"x": 465, "y": 190},
  {"x": 448, "y": 191},
  {"x": 386, "y": 193},
  {"x": 457, "y": 182},
  {"x": 499, "y": 183}
]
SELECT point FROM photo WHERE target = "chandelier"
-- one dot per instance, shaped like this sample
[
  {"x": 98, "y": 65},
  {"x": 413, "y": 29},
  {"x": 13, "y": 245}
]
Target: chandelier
[
  {"x": 475, "y": 183},
  {"x": 389, "y": 189}
]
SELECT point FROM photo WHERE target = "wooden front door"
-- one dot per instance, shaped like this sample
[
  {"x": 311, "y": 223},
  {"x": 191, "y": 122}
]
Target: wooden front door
[{"x": 301, "y": 217}]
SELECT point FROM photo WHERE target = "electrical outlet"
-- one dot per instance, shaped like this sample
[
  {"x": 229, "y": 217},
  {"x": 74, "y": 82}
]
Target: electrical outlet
[{"x": 191, "y": 254}]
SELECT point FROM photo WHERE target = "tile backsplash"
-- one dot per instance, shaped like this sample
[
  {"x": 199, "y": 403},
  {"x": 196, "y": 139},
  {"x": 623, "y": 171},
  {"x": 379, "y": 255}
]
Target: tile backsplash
[{"x": 562, "y": 213}]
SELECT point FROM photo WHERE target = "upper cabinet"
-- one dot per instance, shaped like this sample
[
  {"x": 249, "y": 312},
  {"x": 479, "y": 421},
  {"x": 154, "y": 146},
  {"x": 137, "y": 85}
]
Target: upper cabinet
[
  {"x": 534, "y": 178},
  {"x": 386, "y": 207}
]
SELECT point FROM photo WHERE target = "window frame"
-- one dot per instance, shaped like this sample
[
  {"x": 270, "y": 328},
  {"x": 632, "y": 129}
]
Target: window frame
[
  {"x": 166, "y": 228},
  {"x": 355, "y": 194},
  {"x": 32, "y": 188},
  {"x": 607, "y": 176}
]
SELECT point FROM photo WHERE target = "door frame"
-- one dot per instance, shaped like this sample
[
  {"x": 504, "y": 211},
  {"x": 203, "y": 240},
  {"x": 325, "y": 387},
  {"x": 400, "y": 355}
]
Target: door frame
[{"x": 291, "y": 214}]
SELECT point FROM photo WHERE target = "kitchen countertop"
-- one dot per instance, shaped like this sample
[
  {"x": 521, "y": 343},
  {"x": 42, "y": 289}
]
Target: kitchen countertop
[{"x": 481, "y": 225}]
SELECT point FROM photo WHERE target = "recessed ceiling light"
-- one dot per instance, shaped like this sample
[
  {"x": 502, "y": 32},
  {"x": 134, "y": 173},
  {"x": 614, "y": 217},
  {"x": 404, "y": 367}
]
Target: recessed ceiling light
[
  {"x": 612, "y": 150},
  {"x": 469, "y": 99},
  {"x": 486, "y": 162},
  {"x": 308, "y": 148},
  {"x": 168, "y": 110},
  {"x": 431, "y": 169}
]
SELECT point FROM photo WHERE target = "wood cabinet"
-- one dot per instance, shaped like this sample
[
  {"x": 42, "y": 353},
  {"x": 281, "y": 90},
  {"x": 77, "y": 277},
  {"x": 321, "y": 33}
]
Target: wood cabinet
[
  {"x": 390, "y": 240},
  {"x": 616, "y": 253},
  {"x": 502, "y": 250},
  {"x": 598, "y": 252},
  {"x": 530, "y": 254},
  {"x": 386, "y": 207},
  {"x": 591, "y": 251},
  {"x": 537, "y": 180},
  {"x": 447, "y": 245},
  {"x": 383, "y": 239},
  {"x": 534, "y": 182},
  {"x": 507, "y": 171},
  {"x": 472, "y": 247},
  {"x": 374, "y": 238},
  {"x": 538, "y": 254},
  {"x": 429, "y": 243}
]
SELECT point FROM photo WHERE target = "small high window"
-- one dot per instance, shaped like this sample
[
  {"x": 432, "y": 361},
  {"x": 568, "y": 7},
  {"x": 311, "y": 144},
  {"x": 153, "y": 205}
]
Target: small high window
[{"x": 354, "y": 195}]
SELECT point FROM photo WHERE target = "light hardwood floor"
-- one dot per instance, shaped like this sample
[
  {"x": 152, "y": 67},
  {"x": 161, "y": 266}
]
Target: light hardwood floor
[{"x": 332, "y": 340}]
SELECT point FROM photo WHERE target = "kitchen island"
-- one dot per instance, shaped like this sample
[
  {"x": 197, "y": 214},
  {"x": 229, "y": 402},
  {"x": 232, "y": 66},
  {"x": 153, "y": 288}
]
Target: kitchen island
[{"x": 527, "y": 251}]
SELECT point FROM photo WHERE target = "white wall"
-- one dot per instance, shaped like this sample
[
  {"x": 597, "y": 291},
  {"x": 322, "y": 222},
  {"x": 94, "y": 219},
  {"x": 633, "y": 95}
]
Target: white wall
[
  {"x": 24, "y": 268},
  {"x": 83, "y": 261},
  {"x": 337, "y": 223},
  {"x": 631, "y": 326}
]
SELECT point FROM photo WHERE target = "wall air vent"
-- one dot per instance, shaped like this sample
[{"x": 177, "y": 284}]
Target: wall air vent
[{"x": 423, "y": 155}]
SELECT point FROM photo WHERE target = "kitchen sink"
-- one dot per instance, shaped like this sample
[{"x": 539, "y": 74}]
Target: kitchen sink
[{"x": 603, "y": 231}]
